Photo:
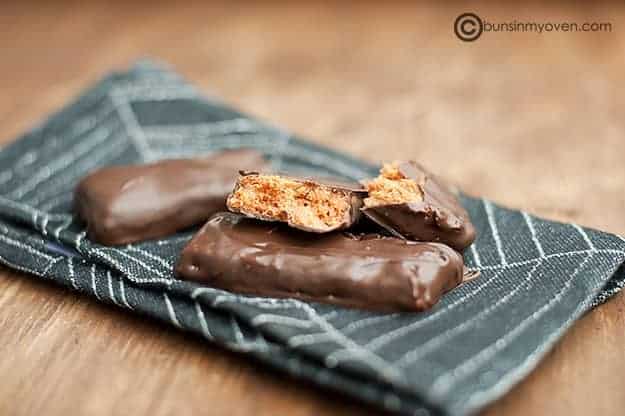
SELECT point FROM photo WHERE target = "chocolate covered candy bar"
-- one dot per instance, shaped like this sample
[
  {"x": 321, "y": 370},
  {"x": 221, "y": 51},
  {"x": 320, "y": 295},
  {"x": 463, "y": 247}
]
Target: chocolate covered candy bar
[
  {"x": 125, "y": 204},
  {"x": 310, "y": 205},
  {"x": 410, "y": 202},
  {"x": 243, "y": 255}
]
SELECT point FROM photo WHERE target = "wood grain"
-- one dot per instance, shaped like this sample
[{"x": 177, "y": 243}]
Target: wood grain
[{"x": 533, "y": 121}]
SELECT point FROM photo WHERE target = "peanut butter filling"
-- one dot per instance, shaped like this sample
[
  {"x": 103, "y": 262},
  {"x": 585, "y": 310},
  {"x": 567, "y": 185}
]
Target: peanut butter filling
[
  {"x": 391, "y": 187},
  {"x": 303, "y": 204}
]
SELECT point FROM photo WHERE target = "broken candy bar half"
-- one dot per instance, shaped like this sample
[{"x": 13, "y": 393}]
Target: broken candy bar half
[
  {"x": 309, "y": 205},
  {"x": 410, "y": 202}
]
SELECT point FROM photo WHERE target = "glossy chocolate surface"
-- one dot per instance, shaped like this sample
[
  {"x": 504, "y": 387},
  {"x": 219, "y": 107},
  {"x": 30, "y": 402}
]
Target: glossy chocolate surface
[
  {"x": 243, "y": 255},
  {"x": 125, "y": 204},
  {"x": 438, "y": 218}
]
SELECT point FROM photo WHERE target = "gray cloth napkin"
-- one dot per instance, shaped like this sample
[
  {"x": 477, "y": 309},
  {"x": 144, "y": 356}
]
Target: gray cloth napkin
[{"x": 537, "y": 276}]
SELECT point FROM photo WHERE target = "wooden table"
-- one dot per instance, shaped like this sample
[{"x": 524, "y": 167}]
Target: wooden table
[{"x": 532, "y": 121}]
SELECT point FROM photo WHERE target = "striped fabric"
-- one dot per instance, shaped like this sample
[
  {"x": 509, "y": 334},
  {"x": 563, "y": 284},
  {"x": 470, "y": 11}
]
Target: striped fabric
[{"x": 537, "y": 276}]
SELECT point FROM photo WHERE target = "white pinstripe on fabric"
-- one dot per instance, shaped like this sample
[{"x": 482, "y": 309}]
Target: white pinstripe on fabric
[
  {"x": 60, "y": 182},
  {"x": 122, "y": 291},
  {"x": 258, "y": 345},
  {"x": 18, "y": 267},
  {"x": 200, "y": 315},
  {"x": 79, "y": 239},
  {"x": 372, "y": 320},
  {"x": 109, "y": 281},
  {"x": 265, "y": 303},
  {"x": 18, "y": 206},
  {"x": 171, "y": 311},
  {"x": 44, "y": 272},
  {"x": 370, "y": 358},
  {"x": 44, "y": 225},
  {"x": 139, "y": 262},
  {"x": 167, "y": 151},
  {"x": 238, "y": 334},
  {"x": 89, "y": 122},
  {"x": 380, "y": 341},
  {"x": 477, "y": 399},
  {"x": 476, "y": 256},
  {"x": 330, "y": 315},
  {"x": 366, "y": 357},
  {"x": 450, "y": 378},
  {"x": 159, "y": 93},
  {"x": 160, "y": 260},
  {"x": 25, "y": 160},
  {"x": 447, "y": 336},
  {"x": 33, "y": 251},
  {"x": 530, "y": 225},
  {"x": 72, "y": 274},
  {"x": 548, "y": 256},
  {"x": 263, "y": 319},
  {"x": 23, "y": 246},
  {"x": 56, "y": 233},
  {"x": 5, "y": 176},
  {"x": 205, "y": 130},
  {"x": 77, "y": 129},
  {"x": 131, "y": 276},
  {"x": 488, "y": 206},
  {"x": 94, "y": 286},
  {"x": 132, "y": 126},
  {"x": 353, "y": 326},
  {"x": 309, "y": 339},
  {"x": 54, "y": 202},
  {"x": 85, "y": 146},
  {"x": 579, "y": 229},
  {"x": 174, "y": 240}
]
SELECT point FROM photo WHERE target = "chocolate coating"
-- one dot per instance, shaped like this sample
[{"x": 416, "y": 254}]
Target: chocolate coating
[
  {"x": 439, "y": 217},
  {"x": 242, "y": 255},
  {"x": 125, "y": 204}
]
